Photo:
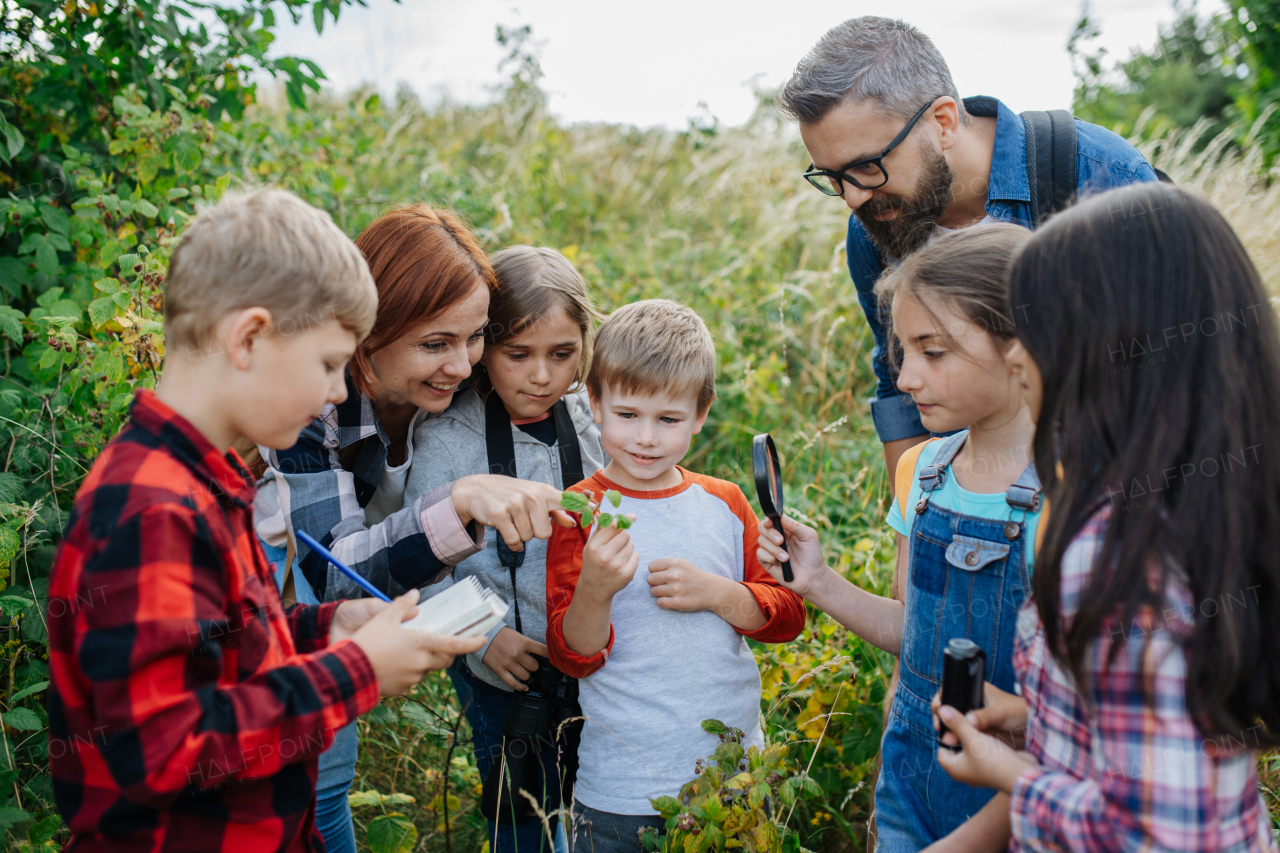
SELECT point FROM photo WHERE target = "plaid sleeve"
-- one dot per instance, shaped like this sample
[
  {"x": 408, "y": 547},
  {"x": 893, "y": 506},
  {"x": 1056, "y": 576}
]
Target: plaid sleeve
[
  {"x": 407, "y": 550},
  {"x": 152, "y": 660},
  {"x": 309, "y": 625},
  {"x": 1124, "y": 767}
]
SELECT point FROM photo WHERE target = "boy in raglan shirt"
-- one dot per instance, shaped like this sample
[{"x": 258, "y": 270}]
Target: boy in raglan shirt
[{"x": 653, "y": 619}]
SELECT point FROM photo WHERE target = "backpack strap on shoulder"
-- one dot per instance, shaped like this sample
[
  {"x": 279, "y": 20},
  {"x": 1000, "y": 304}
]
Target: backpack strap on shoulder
[
  {"x": 1052, "y": 146},
  {"x": 906, "y": 469},
  {"x": 567, "y": 438}
]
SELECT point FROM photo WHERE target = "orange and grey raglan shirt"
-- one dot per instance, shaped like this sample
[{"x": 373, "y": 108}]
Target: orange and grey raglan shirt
[{"x": 663, "y": 672}]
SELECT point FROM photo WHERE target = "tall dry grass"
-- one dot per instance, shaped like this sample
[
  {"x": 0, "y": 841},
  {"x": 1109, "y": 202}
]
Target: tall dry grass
[{"x": 1233, "y": 177}]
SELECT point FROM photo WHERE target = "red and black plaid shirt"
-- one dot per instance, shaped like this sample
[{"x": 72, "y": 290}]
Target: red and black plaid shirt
[{"x": 187, "y": 708}]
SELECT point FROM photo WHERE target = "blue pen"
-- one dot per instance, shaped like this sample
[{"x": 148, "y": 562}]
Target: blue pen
[{"x": 306, "y": 539}]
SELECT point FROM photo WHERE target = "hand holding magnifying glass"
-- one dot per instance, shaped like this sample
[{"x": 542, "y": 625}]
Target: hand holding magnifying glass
[{"x": 768, "y": 474}]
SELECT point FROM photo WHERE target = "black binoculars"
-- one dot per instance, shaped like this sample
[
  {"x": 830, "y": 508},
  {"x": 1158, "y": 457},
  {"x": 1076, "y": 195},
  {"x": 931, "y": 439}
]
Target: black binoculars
[{"x": 540, "y": 718}]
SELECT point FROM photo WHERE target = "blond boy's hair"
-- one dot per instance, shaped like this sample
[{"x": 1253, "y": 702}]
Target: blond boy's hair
[
  {"x": 654, "y": 346},
  {"x": 271, "y": 250}
]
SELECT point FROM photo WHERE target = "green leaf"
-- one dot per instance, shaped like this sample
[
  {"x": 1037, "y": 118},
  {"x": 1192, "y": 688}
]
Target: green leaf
[
  {"x": 33, "y": 627},
  {"x": 109, "y": 364},
  {"x": 29, "y": 691},
  {"x": 177, "y": 193},
  {"x": 22, "y": 719},
  {"x": 11, "y": 323},
  {"x": 615, "y": 497},
  {"x": 415, "y": 715},
  {"x": 149, "y": 167},
  {"x": 13, "y": 605},
  {"x": 11, "y": 817},
  {"x": 59, "y": 242},
  {"x": 43, "y": 832},
  {"x": 56, "y": 219},
  {"x": 666, "y": 806},
  {"x": 621, "y": 522},
  {"x": 50, "y": 296},
  {"x": 47, "y": 259},
  {"x": 107, "y": 285},
  {"x": 50, "y": 359},
  {"x": 146, "y": 208},
  {"x": 186, "y": 155},
  {"x": 108, "y": 253},
  {"x": 382, "y": 716},
  {"x": 574, "y": 501},
  {"x": 374, "y": 798},
  {"x": 128, "y": 263},
  {"x": 101, "y": 310},
  {"x": 12, "y": 488},
  {"x": 714, "y": 727},
  {"x": 14, "y": 276},
  {"x": 604, "y": 519},
  {"x": 13, "y": 140},
  {"x": 588, "y": 518},
  {"x": 392, "y": 833}
]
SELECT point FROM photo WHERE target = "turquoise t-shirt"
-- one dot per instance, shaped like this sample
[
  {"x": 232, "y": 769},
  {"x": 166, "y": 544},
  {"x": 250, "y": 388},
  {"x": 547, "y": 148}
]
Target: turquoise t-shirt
[{"x": 951, "y": 497}]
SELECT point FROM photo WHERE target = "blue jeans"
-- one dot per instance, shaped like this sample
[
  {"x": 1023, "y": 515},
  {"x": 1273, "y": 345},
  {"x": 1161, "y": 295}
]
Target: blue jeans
[
  {"x": 967, "y": 578},
  {"x": 487, "y": 714},
  {"x": 338, "y": 762}
]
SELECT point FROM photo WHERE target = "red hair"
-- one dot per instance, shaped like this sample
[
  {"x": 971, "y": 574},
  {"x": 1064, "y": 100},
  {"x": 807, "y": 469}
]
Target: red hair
[{"x": 424, "y": 261}]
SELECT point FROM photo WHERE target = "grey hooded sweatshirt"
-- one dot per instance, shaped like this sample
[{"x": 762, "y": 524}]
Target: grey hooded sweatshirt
[{"x": 451, "y": 446}]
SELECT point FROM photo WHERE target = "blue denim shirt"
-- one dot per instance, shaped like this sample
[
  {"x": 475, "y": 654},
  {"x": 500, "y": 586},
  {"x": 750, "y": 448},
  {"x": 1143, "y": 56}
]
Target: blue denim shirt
[{"x": 1104, "y": 161}]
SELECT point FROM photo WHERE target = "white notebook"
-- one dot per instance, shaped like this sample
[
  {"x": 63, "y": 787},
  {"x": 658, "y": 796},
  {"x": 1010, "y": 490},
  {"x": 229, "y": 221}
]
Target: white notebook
[{"x": 466, "y": 609}]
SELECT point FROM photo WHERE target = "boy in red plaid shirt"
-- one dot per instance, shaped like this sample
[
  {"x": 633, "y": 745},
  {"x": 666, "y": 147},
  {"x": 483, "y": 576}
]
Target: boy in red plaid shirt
[{"x": 187, "y": 707}]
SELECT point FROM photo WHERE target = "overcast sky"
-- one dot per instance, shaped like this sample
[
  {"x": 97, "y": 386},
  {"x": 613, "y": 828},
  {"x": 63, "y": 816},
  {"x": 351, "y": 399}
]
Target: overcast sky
[{"x": 655, "y": 62}]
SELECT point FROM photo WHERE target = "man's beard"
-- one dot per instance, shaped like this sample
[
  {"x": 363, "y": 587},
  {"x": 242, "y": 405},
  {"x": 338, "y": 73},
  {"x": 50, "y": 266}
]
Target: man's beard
[{"x": 917, "y": 216}]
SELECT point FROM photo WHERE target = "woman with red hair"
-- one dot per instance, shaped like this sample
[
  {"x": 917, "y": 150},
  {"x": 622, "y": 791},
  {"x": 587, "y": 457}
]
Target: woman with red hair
[{"x": 343, "y": 482}]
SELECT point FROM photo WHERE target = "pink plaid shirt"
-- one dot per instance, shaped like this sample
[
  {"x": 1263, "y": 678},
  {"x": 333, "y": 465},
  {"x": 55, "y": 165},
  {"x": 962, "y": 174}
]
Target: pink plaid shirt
[{"x": 1124, "y": 767}]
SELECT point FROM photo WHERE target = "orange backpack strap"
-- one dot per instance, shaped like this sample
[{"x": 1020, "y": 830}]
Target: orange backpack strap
[
  {"x": 1040, "y": 528},
  {"x": 906, "y": 470}
]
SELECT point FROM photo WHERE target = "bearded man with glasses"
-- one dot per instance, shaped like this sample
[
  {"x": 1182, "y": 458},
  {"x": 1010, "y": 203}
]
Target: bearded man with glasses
[{"x": 888, "y": 132}]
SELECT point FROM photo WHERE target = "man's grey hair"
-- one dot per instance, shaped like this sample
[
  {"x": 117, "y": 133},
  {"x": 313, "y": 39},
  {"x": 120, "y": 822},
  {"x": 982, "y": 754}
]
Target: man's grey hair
[{"x": 868, "y": 58}]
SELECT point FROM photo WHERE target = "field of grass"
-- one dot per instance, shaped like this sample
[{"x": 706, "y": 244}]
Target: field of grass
[{"x": 719, "y": 220}]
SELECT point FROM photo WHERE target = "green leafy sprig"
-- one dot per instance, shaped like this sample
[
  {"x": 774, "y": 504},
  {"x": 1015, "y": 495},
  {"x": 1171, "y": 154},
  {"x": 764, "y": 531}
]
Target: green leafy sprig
[{"x": 589, "y": 510}]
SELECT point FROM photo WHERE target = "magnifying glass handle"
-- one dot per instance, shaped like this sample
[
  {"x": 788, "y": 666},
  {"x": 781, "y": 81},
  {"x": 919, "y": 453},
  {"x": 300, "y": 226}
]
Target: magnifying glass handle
[{"x": 787, "y": 574}]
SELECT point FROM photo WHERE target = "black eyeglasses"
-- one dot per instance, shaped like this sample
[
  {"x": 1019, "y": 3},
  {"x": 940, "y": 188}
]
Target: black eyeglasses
[{"x": 866, "y": 174}]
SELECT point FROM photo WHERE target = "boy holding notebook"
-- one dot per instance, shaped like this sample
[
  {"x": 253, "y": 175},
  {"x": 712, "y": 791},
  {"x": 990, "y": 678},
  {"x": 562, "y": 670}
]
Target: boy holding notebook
[
  {"x": 653, "y": 619},
  {"x": 187, "y": 707}
]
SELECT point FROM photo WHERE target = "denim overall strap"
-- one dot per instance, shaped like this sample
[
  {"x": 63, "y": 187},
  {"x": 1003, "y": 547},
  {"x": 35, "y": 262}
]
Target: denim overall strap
[
  {"x": 967, "y": 577},
  {"x": 933, "y": 475},
  {"x": 1025, "y": 491}
]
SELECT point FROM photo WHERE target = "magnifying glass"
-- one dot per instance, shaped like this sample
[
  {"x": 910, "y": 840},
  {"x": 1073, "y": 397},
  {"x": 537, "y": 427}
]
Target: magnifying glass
[{"x": 768, "y": 473}]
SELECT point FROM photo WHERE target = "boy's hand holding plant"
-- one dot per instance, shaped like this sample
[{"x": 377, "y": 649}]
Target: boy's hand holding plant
[{"x": 609, "y": 562}]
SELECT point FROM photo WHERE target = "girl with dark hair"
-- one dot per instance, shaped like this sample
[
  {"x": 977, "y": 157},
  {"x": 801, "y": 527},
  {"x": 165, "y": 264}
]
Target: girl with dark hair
[
  {"x": 966, "y": 517},
  {"x": 1149, "y": 654}
]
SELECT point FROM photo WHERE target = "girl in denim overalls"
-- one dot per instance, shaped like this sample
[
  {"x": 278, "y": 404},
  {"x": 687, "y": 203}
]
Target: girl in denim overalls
[{"x": 966, "y": 514}]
